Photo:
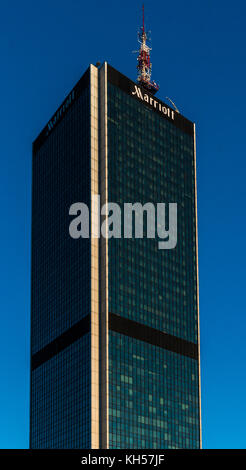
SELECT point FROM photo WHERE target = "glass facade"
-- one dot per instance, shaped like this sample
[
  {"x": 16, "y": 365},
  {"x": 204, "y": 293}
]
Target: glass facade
[
  {"x": 61, "y": 399},
  {"x": 114, "y": 324},
  {"x": 153, "y": 392},
  {"x": 60, "y": 382},
  {"x": 153, "y": 396}
]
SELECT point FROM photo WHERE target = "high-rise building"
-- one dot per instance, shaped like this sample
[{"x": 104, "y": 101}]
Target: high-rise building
[{"x": 115, "y": 359}]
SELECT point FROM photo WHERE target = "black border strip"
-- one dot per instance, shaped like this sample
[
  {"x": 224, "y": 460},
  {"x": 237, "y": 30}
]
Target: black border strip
[
  {"x": 155, "y": 458},
  {"x": 152, "y": 336},
  {"x": 63, "y": 341}
]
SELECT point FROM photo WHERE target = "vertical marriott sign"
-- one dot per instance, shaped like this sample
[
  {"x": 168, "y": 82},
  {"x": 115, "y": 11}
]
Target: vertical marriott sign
[{"x": 153, "y": 102}]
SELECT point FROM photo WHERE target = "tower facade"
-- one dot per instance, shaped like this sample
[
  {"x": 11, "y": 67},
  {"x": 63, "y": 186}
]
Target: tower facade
[{"x": 115, "y": 321}]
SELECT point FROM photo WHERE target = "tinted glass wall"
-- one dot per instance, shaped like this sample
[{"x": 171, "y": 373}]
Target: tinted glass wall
[
  {"x": 60, "y": 379},
  {"x": 153, "y": 392}
]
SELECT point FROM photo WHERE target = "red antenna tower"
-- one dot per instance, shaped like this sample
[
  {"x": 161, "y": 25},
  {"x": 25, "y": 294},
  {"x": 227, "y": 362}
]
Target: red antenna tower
[{"x": 144, "y": 66}]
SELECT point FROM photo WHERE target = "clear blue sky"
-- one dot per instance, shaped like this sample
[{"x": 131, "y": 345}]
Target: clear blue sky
[{"x": 199, "y": 60}]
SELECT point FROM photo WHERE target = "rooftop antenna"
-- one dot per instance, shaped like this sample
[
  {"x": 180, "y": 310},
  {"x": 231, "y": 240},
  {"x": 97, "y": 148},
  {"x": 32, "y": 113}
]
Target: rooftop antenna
[
  {"x": 174, "y": 105},
  {"x": 144, "y": 66}
]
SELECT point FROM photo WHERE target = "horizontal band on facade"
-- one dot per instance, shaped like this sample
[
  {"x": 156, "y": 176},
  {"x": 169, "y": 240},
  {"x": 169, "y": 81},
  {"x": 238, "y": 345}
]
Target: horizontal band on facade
[
  {"x": 152, "y": 336},
  {"x": 63, "y": 341}
]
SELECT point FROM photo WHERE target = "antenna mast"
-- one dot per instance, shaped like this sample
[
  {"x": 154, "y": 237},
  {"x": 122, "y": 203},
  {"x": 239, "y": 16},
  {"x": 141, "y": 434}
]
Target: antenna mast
[{"x": 144, "y": 66}]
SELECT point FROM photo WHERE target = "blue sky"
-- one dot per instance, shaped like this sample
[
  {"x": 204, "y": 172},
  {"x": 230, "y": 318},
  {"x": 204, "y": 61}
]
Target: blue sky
[{"x": 199, "y": 60}]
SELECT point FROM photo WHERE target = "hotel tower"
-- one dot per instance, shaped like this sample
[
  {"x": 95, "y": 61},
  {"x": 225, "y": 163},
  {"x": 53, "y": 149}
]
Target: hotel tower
[{"x": 115, "y": 355}]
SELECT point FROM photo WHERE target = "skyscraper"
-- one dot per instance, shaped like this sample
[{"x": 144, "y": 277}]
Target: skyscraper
[{"x": 114, "y": 322}]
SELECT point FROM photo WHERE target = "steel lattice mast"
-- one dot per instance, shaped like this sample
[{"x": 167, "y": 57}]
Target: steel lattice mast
[{"x": 144, "y": 66}]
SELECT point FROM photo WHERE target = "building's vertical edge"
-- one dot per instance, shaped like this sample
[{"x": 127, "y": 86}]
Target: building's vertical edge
[
  {"x": 94, "y": 175},
  {"x": 103, "y": 263},
  {"x": 197, "y": 277},
  {"x": 30, "y": 342}
]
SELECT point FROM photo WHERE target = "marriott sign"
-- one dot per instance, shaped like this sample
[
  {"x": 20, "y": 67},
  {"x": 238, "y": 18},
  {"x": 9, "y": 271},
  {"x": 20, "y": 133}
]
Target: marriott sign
[{"x": 153, "y": 102}]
